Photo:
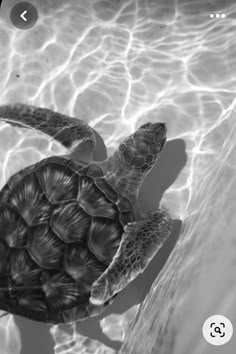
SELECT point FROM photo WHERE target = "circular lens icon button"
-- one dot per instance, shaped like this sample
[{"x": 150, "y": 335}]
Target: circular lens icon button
[
  {"x": 217, "y": 330},
  {"x": 24, "y": 15}
]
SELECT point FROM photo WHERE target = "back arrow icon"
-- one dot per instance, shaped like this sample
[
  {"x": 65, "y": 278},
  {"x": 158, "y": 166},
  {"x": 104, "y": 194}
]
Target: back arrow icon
[{"x": 23, "y": 15}]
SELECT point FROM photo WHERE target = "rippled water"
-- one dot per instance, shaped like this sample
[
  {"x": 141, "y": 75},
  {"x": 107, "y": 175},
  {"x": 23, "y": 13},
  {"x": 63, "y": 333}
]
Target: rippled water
[{"x": 117, "y": 64}]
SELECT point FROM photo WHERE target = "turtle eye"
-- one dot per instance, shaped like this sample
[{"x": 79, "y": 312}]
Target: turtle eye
[{"x": 162, "y": 143}]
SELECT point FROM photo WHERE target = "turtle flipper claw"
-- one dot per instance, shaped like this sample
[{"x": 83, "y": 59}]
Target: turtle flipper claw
[{"x": 100, "y": 293}]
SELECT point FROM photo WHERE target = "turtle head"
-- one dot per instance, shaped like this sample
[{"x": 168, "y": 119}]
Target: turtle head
[{"x": 142, "y": 149}]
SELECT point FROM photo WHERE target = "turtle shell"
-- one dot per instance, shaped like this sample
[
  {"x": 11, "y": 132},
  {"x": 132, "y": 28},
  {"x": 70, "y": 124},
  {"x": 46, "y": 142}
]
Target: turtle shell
[{"x": 60, "y": 226}]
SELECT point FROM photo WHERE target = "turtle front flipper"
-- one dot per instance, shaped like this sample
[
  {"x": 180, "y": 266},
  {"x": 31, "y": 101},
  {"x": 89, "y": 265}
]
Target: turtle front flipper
[
  {"x": 72, "y": 133},
  {"x": 140, "y": 242}
]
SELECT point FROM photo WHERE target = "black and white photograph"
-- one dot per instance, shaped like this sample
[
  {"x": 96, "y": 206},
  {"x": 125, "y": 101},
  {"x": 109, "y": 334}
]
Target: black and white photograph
[{"x": 117, "y": 224}]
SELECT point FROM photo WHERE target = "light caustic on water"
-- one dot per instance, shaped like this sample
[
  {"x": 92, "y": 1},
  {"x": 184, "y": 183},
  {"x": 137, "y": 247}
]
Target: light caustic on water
[{"x": 117, "y": 66}]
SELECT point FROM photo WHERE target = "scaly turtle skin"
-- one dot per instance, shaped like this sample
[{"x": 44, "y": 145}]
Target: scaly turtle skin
[{"x": 70, "y": 235}]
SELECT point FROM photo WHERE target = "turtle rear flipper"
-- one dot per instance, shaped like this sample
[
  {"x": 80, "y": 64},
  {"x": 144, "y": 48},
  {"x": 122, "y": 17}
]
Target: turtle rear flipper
[
  {"x": 72, "y": 133},
  {"x": 140, "y": 242}
]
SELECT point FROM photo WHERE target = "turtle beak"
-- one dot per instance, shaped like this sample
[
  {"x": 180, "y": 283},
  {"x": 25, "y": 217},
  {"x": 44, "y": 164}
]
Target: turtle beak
[
  {"x": 159, "y": 128},
  {"x": 157, "y": 131}
]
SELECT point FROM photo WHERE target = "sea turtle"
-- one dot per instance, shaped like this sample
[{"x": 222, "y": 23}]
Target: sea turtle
[{"x": 71, "y": 236}]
